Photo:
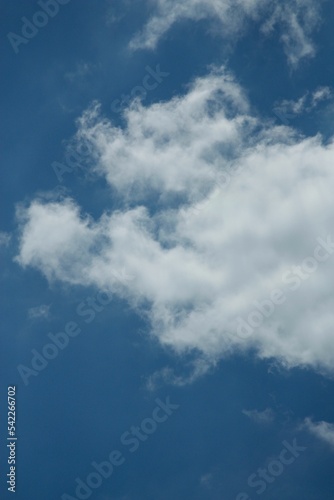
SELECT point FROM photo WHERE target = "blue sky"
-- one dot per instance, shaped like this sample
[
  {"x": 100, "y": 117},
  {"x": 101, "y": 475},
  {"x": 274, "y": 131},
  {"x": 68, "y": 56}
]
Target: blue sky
[{"x": 167, "y": 249}]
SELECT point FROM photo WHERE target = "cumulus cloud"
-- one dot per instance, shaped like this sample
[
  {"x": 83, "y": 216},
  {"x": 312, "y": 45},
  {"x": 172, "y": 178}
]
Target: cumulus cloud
[
  {"x": 322, "y": 430},
  {"x": 225, "y": 227},
  {"x": 295, "y": 20},
  {"x": 172, "y": 148}
]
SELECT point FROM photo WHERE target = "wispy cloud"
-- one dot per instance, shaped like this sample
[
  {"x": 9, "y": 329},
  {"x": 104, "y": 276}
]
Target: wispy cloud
[
  {"x": 197, "y": 369},
  {"x": 260, "y": 417},
  {"x": 4, "y": 239},
  {"x": 39, "y": 312},
  {"x": 294, "y": 20},
  {"x": 322, "y": 430},
  {"x": 81, "y": 70},
  {"x": 289, "y": 109},
  {"x": 206, "y": 480}
]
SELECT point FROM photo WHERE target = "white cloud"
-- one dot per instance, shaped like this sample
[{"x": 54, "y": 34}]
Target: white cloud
[
  {"x": 81, "y": 70},
  {"x": 4, "y": 239},
  {"x": 38, "y": 312},
  {"x": 195, "y": 272},
  {"x": 172, "y": 147},
  {"x": 295, "y": 20},
  {"x": 260, "y": 417},
  {"x": 321, "y": 94},
  {"x": 305, "y": 104},
  {"x": 207, "y": 480},
  {"x": 322, "y": 430},
  {"x": 198, "y": 368}
]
